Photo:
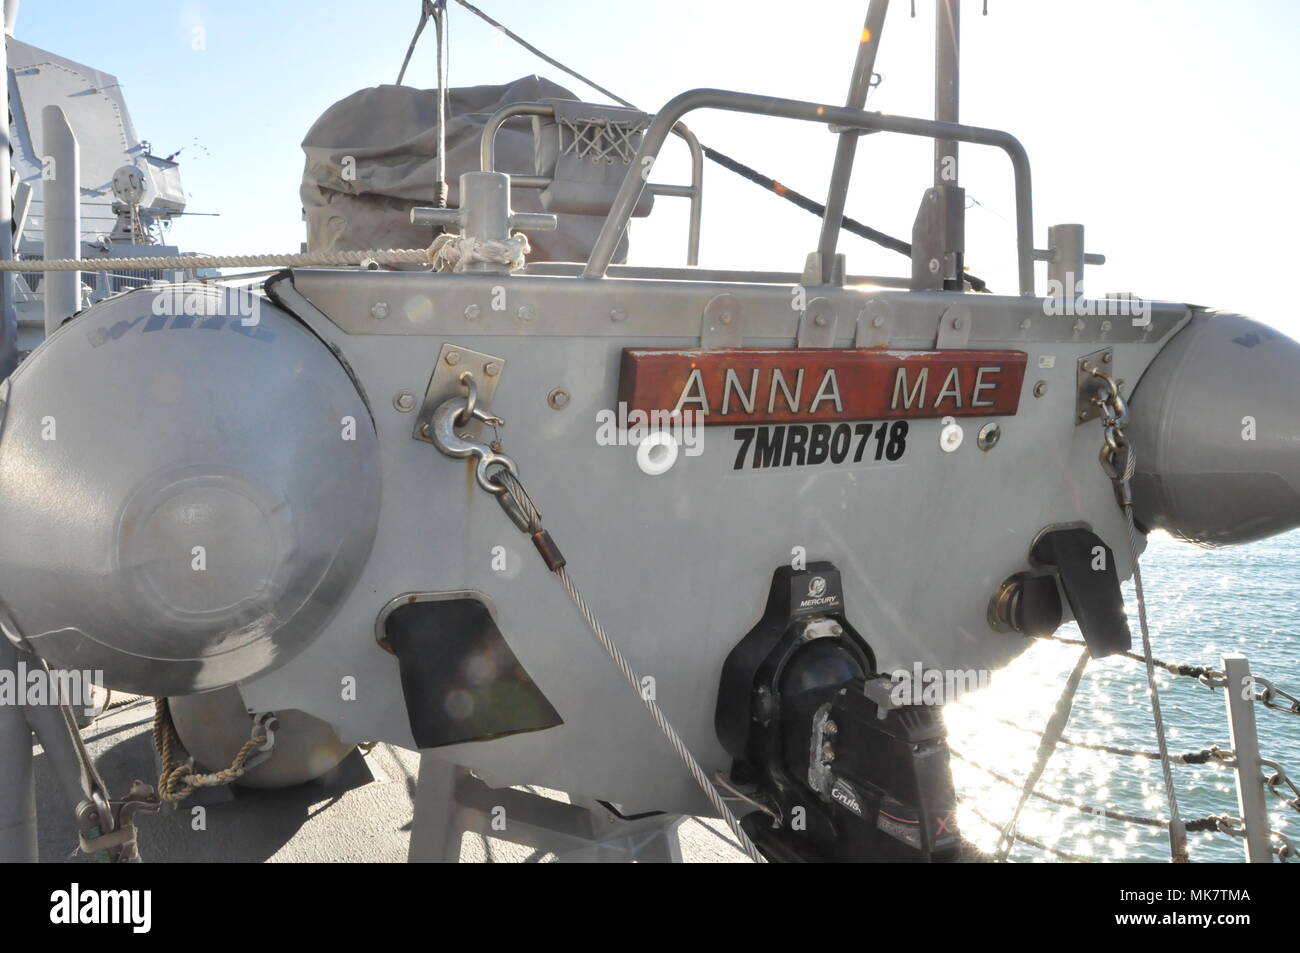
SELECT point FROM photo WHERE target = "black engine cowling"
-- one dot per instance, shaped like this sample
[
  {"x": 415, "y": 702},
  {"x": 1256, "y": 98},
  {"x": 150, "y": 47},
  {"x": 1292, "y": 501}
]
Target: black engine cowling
[{"x": 841, "y": 772}]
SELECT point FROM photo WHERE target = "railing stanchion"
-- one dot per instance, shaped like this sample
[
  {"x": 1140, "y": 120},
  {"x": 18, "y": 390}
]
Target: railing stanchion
[{"x": 1239, "y": 695}]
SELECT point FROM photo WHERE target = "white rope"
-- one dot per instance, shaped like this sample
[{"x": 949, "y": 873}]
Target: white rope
[
  {"x": 317, "y": 259},
  {"x": 447, "y": 253},
  {"x": 456, "y": 252}
]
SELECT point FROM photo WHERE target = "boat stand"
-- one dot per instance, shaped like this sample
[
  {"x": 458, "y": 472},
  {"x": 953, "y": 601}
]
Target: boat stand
[{"x": 451, "y": 802}]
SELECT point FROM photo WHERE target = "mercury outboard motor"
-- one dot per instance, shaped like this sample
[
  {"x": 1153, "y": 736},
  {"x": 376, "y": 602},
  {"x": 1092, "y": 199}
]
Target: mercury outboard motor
[{"x": 840, "y": 771}]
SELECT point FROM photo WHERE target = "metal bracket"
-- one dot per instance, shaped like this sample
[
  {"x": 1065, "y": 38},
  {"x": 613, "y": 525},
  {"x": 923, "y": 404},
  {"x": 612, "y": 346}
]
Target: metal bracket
[
  {"x": 875, "y": 324},
  {"x": 721, "y": 325},
  {"x": 937, "y": 237},
  {"x": 444, "y": 383},
  {"x": 812, "y": 270},
  {"x": 954, "y": 328},
  {"x": 817, "y": 324},
  {"x": 1086, "y": 385}
]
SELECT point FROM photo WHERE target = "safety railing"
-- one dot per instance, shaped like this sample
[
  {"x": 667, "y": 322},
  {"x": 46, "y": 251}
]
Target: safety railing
[
  {"x": 694, "y": 191},
  {"x": 670, "y": 116},
  {"x": 1256, "y": 776}
]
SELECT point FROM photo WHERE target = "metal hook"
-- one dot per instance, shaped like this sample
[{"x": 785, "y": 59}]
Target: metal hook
[
  {"x": 264, "y": 726},
  {"x": 446, "y": 420},
  {"x": 471, "y": 403}
]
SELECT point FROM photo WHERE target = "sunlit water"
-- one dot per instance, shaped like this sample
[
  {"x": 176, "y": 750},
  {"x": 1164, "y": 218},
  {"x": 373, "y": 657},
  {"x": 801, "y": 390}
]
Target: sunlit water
[{"x": 1200, "y": 604}]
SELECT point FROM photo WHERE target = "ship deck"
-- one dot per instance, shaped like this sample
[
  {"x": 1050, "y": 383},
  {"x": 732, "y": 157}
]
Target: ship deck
[{"x": 360, "y": 812}]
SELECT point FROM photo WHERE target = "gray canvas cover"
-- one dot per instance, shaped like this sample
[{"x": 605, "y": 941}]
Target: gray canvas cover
[
  {"x": 372, "y": 157},
  {"x": 587, "y": 149}
]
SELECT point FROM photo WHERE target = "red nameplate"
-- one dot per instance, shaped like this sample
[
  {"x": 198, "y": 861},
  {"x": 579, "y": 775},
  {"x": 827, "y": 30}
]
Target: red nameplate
[{"x": 751, "y": 385}]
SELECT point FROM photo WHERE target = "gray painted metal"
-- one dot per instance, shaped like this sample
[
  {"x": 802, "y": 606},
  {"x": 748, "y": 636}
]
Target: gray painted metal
[
  {"x": 947, "y": 88},
  {"x": 444, "y": 383},
  {"x": 17, "y": 786},
  {"x": 937, "y": 239},
  {"x": 677, "y": 565},
  {"x": 96, "y": 109},
  {"x": 8, "y": 313},
  {"x": 602, "y": 252},
  {"x": 573, "y": 269},
  {"x": 62, "y": 290},
  {"x": 1065, "y": 267},
  {"x": 1239, "y": 698},
  {"x": 485, "y": 215},
  {"x": 450, "y": 802},
  {"x": 19, "y": 722},
  {"x": 250, "y": 442},
  {"x": 949, "y": 229},
  {"x": 635, "y": 308},
  {"x": 1216, "y": 423}
]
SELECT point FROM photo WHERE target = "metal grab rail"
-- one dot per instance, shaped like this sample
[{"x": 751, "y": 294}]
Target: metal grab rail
[
  {"x": 621, "y": 210},
  {"x": 694, "y": 191}
]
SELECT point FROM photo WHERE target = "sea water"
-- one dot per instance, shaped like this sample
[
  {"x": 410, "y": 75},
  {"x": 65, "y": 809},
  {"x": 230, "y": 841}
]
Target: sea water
[{"x": 1200, "y": 604}]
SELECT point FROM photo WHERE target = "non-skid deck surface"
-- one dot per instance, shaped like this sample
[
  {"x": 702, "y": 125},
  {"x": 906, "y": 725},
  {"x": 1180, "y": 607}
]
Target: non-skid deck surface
[{"x": 361, "y": 813}]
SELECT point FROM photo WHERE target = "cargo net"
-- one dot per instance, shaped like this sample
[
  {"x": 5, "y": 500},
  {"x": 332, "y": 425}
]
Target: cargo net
[
  {"x": 600, "y": 139},
  {"x": 1275, "y": 778}
]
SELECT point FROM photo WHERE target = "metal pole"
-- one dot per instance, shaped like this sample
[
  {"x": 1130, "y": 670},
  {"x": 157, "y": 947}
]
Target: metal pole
[
  {"x": 947, "y": 59},
  {"x": 947, "y": 47},
  {"x": 1065, "y": 267},
  {"x": 62, "y": 216},
  {"x": 8, "y": 315},
  {"x": 847, "y": 148},
  {"x": 17, "y": 781},
  {"x": 697, "y": 195},
  {"x": 1239, "y": 694}
]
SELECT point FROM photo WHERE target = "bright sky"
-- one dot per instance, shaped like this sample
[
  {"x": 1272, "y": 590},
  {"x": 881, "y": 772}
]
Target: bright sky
[{"x": 1167, "y": 128}]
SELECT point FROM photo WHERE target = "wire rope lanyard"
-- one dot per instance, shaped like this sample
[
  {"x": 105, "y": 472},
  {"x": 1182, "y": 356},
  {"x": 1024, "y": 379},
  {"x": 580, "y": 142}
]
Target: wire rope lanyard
[
  {"x": 1119, "y": 462},
  {"x": 497, "y": 474}
]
